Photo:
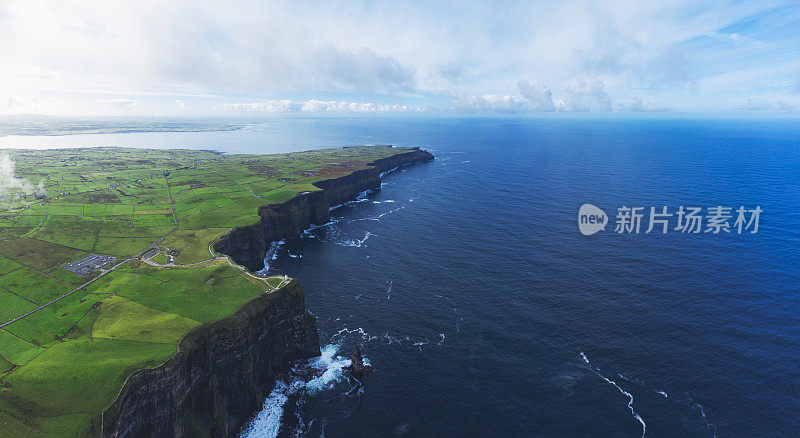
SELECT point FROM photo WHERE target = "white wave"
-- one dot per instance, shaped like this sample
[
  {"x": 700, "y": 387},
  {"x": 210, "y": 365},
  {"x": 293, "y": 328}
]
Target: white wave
[
  {"x": 419, "y": 344},
  {"x": 271, "y": 256},
  {"x": 455, "y": 311},
  {"x": 389, "y": 339},
  {"x": 332, "y": 367},
  {"x": 364, "y": 335},
  {"x": 389, "y": 291},
  {"x": 361, "y": 197},
  {"x": 388, "y": 201},
  {"x": 357, "y": 243},
  {"x": 626, "y": 393},
  {"x": 308, "y": 231},
  {"x": 702, "y": 411},
  {"x": 378, "y": 217},
  {"x": 324, "y": 372},
  {"x": 267, "y": 423},
  {"x": 395, "y": 168},
  {"x": 354, "y": 201},
  {"x": 358, "y": 296},
  {"x": 296, "y": 256},
  {"x": 662, "y": 393}
]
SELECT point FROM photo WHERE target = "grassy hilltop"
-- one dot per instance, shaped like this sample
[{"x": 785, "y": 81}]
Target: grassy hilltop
[{"x": 67, "y": 343}]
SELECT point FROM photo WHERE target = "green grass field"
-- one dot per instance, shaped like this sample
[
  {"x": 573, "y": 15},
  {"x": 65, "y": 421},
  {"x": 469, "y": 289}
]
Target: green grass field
[{"x": 63, "y": 364}]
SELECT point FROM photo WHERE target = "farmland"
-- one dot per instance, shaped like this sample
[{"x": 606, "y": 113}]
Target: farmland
[{"x": 68, "y": 342}]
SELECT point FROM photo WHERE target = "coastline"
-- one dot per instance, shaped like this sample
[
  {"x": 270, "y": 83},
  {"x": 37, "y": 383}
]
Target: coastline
[
  {"x": 247, "y": 245},
  {"x": 199, "y": 389}
]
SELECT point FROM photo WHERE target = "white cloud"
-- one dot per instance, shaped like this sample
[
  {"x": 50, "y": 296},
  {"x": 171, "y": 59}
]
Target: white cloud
[
  {"x": 313, "y": 106},
  {"x": 13, "y": 186},
  {"x": 540, "y": 98},
  {"x": 58, "y": 55},
  {"x": 490, "y": 102},
  {"x": 582, "y": 96},
  {"x": 588, "y": 95},
  {"x": 768, "y": 104},
  {"x": 124, "y": 103},
  {"x": 639, "y": 105},
  {"x": 797, "y": 80}
]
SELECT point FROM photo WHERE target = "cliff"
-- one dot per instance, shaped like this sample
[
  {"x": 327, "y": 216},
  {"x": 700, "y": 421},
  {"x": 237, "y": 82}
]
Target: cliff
[
  {"x": 248, "y": 245},
  {"x": 221, "y": 373},
  {"x": 224, "y": 370}
]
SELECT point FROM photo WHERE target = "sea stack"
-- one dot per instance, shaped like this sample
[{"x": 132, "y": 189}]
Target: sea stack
[{"x": 357, "y": 366}]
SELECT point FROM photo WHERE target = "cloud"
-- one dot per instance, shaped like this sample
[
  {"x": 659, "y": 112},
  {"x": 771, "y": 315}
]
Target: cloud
[
  {"x": 10, "y": 102},
  {"x": 639, "y": 106},
  {"x": 12, "y": 186},
  {"x": 797, "y": 80},
  {"x": 588, "y": 94},
  {"x": 539, "y": 98},
  {"x": 58, "y": 56},
  {"x": 362, "y": 70},
  {"x": 314, "y": 106},
  {"x": 583, "y": 96},
  {"x": 490, "y": 102},
  {"x": 124, "y": 104},
  {"x": 768, "y": 104}
]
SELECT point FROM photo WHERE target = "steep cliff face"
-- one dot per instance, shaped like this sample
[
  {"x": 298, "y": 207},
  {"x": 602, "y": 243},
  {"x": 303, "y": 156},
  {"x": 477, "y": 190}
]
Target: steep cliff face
[
  {"x": 221, "y": 373},
  {"x": 389, "y": 163},
  {"x": 248, "y": 245},
  {"x": 340, "y": 190}
]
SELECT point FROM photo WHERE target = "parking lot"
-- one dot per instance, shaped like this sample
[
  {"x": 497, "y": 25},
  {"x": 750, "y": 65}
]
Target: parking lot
[{"x": 87, "y": 265}]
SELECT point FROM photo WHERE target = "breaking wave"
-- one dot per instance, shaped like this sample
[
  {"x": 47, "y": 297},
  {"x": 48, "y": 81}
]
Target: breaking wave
[
  {"x": 271, "y": 256},
  {"x": 389, "y": 291},
  {"x": 361, "y": 197},
  {"x": 357, "y": 243},
  {"x": 619, "y": 388},
  {"x": 378, "y": 217},
  {"x": 311, "y": 377},
  {"x": 389, "y": 339},
  {"x": 395, "y": 168}
]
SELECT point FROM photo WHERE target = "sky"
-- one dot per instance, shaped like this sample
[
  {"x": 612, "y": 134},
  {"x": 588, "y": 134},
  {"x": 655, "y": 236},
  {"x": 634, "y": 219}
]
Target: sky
[{"x": 202, "y": 58}]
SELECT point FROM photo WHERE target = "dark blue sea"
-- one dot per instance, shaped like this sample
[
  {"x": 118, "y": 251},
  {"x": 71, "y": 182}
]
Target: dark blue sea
[{"x": 485, "y": 312}]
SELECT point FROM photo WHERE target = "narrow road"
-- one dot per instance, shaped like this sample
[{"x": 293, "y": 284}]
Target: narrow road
[
  {"x": 240, "y": 184},
  {"x": 169, "y": 191}
]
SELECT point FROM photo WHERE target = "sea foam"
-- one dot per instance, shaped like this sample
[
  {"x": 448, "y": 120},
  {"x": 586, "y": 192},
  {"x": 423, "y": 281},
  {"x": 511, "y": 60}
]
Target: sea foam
[
  {"x": 315, "y": 375},
  {"x": 619, "y": 388}
]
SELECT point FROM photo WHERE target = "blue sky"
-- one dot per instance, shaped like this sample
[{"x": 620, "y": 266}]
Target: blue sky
[{"x": 199, "y": 58}]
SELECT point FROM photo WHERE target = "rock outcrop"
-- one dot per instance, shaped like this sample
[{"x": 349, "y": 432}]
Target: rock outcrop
[
  {"x": 221, "y": 373},
  {"x": 357, "y": 366}
]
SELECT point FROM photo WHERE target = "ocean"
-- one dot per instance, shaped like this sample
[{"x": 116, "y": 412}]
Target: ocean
[{"x": 484, "y": 310}]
